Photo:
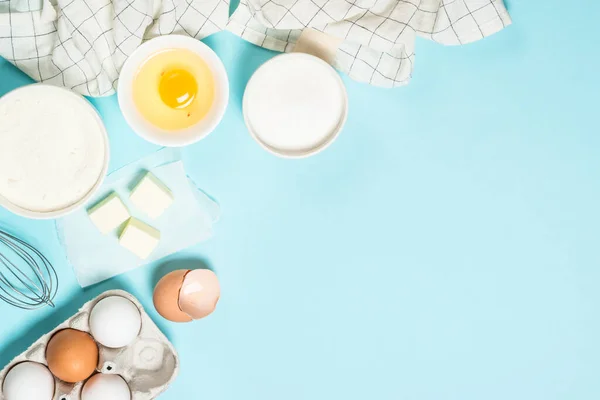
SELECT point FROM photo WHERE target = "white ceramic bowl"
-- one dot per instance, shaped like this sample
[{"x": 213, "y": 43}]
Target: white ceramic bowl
[
  {"x": 152, "y": 133},
  {"x": 79, "y": 203},
  {"x": 276, "y": 66}
]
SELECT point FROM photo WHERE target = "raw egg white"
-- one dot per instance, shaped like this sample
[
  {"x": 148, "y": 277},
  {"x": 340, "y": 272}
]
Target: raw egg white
[
  {"x": 105, "y": 387},
  {"x": 184, "y": 295},
  {"x": 72, "y": 355},
  {"x": 28, "y": 381},
  {"x": 174, "y": 89},
  {"x": 115, "y": 322}
]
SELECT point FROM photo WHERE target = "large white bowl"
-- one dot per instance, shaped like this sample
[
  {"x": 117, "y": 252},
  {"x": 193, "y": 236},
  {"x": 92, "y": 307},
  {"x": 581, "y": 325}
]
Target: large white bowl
[
  {"x": 79, "y": 203},
  {"x": 152, "y": 133}
]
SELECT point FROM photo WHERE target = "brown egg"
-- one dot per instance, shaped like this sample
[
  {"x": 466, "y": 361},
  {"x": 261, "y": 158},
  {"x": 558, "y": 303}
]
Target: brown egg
[
  {"x": 72, "y": 355},
  {"x": 200, "y": 293},
  {"x": 183, "y": 295},
  {"x": 166, "y": 296}
]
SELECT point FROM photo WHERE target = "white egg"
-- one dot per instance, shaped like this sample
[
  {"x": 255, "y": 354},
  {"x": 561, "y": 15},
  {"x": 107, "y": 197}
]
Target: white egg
[
  {"x": 115, "y": 322},
  {"x": 103, "y": 387},
  {"x": 18, "y": 382}
]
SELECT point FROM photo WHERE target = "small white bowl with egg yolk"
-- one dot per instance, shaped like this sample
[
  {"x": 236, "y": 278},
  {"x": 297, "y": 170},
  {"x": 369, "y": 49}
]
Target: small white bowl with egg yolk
[{"x": 173, "y": 90}]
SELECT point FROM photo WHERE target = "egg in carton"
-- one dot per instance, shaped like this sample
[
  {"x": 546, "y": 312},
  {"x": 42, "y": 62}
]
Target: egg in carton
[{"x": 147, "y": 364}]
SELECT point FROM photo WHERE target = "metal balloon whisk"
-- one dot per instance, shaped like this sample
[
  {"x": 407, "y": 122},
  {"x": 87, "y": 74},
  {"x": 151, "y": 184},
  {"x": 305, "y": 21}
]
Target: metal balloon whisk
[{"x": 27, "y": 279}]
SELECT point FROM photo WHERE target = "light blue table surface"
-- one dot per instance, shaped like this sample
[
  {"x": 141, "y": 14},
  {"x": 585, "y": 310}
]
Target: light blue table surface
[{"x": 446, "y": 246}]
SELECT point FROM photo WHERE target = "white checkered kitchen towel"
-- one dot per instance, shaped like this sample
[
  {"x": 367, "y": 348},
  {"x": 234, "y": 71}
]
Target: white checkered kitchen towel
[{"x": 82, "y": 44}]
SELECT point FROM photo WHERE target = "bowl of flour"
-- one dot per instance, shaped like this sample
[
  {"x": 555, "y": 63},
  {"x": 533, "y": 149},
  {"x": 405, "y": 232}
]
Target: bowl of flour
[{"x": 54, "y": 151}]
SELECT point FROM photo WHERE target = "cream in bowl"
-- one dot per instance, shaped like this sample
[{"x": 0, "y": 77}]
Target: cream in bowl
[
  {"x": 53, "y": 151},
  {"x": 295, "y": 105},
  {"x": 173, "y": 90}
]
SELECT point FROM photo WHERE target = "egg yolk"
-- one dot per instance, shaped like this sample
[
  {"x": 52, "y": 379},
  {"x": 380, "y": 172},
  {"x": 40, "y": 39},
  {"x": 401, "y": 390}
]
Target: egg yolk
[
  {"x": 177, "y": 88},
  {"x": 174, "y": 89}
]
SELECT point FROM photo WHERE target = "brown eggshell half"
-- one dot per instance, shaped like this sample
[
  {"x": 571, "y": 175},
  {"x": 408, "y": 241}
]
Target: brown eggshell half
[
  {"x": 166, "y": 296},
  {"x": 199, "y": 293},
  {"x": 72, "y": 355}
]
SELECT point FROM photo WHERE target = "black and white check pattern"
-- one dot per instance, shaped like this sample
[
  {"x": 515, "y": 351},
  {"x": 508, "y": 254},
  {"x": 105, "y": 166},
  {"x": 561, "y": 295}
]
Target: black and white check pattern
[
  {"x": 82, "y": 44},
  {"x": 378, "y": 35}
]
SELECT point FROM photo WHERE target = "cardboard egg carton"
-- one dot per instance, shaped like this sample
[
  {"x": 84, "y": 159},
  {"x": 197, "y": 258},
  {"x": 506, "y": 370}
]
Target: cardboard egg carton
[{"x": 148, "y": 365}]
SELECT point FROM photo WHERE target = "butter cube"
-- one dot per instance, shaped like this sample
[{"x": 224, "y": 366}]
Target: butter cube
[
  {"x": 139, "y": 238},
  {"x": 151, "y": 196},
  {"x": 109, "y": 214}
]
